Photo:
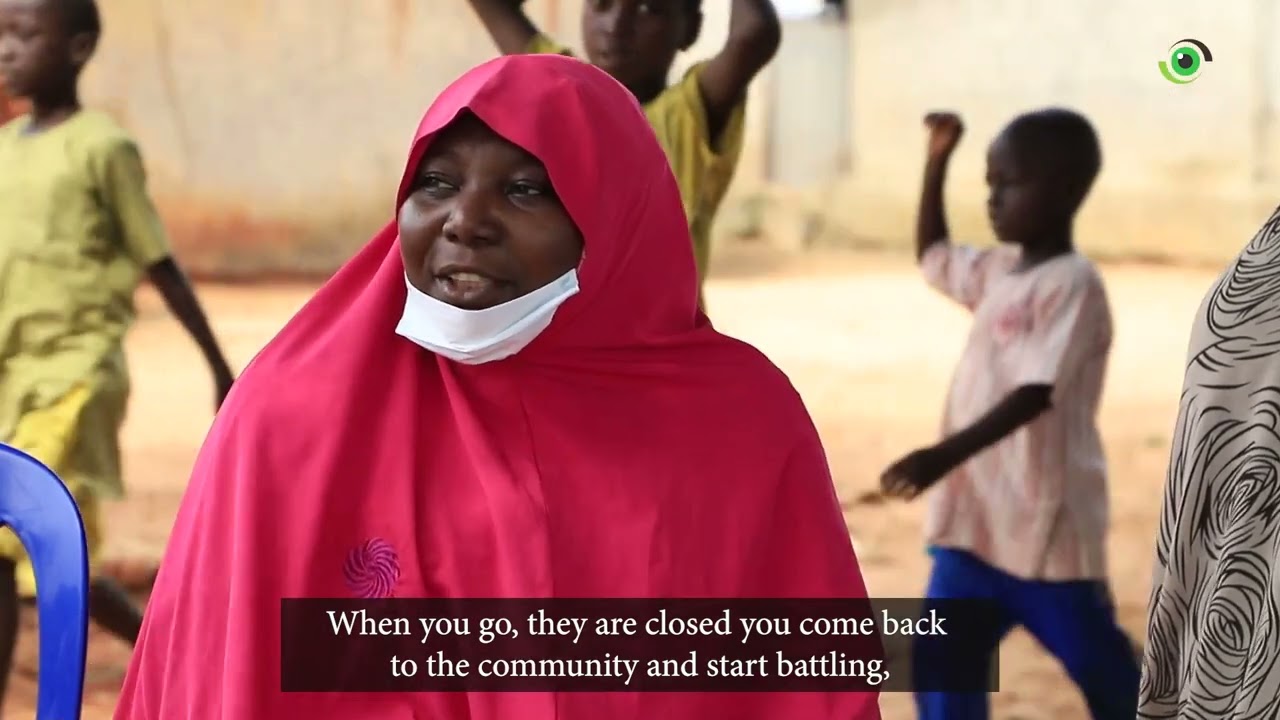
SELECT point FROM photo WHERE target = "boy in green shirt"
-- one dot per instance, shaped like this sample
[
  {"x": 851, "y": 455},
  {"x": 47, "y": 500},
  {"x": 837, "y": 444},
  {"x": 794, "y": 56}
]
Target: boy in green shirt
[
  {"x": 699, "y": 119},
  {"x": 78, "y": 234}
]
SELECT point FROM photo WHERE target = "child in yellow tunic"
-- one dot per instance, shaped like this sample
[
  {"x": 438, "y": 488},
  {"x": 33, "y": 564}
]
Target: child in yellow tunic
[
  {"x": 78, "y": 234},
  {"x": 698, "y": 120}
]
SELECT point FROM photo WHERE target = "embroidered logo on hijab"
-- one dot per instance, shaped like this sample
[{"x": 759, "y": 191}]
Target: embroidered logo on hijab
[{"x": 372, "y": 569}]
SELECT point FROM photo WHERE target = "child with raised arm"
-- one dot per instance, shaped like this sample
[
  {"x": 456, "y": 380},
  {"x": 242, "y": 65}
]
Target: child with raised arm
[
  {"x": 78, "y": 234},
  {"x": 699, "y": 119},
  {"x": 1020, "y": 512}
]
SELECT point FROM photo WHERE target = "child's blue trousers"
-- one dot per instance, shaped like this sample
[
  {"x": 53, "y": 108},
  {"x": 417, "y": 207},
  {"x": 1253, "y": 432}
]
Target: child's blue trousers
[{"x": 1074, "y": 621}]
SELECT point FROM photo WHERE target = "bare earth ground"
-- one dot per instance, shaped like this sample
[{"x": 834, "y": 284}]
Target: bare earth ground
[{"x": 866, "y": 343}]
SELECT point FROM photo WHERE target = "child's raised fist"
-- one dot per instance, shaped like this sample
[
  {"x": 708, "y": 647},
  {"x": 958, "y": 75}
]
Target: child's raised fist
[{"x": 945, "y": 129}]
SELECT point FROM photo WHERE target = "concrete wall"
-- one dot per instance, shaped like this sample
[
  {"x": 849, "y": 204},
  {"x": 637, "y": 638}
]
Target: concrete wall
[
  {"x": 1189, "y": 171},
  {"x": 275, "y": 129}
]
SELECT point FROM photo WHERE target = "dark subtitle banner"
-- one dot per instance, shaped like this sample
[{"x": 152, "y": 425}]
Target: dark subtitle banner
[{"x": 636, "y": 645}]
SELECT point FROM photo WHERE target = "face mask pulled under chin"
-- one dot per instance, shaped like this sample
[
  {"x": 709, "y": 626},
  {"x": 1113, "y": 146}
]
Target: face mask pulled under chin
[{"x": 474, "y": 337}]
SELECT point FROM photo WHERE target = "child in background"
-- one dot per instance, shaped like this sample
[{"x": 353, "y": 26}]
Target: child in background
[
  {"x": 78, "y": 233},
  {"x": 698, "y": 120},
  {"x": 1021, "y": 510}
]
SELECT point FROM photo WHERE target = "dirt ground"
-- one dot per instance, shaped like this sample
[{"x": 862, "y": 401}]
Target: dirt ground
[{"x": 866, "y": 343}]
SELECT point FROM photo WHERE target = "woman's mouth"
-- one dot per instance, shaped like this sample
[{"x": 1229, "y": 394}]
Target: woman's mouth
[
  {"x": 468, "y": 281},
  {"x": 471, "y": 290}
]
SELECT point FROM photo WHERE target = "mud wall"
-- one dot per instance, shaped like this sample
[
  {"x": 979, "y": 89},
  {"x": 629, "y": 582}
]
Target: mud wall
[{"x": 275, "y": 130}]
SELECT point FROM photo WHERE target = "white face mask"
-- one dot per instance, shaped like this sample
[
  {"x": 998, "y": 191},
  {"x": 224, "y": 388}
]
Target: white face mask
[{"x": 480, "y": 336}]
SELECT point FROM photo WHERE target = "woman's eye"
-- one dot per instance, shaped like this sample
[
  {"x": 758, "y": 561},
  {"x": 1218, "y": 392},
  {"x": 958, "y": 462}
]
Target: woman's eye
[
  {"x": 527, "y": 189},
  {"x": 434, "y": 183}
]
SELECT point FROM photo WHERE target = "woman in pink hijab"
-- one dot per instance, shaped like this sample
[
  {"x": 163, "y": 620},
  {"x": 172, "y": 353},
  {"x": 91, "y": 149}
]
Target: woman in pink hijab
[{"x": 508, "y": 393}]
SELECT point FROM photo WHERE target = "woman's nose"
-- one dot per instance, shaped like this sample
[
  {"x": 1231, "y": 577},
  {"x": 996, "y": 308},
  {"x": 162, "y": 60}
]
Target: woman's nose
[{"x": 471, "y": 218}]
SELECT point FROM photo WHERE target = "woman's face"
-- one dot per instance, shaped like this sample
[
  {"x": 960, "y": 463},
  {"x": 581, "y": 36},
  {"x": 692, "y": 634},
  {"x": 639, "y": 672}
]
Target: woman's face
[{"x": 482, "y": 225}]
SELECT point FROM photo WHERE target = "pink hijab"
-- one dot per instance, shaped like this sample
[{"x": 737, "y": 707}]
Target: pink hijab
[{"x": 629, "y": 451}]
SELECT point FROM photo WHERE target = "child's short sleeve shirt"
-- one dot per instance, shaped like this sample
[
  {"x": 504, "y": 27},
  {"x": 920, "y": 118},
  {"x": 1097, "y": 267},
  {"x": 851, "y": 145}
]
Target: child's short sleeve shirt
[
  {"x": 1034, "y": 504},
  {"x": 78, "y": 233},
  {"x": 74, "y": 201}
]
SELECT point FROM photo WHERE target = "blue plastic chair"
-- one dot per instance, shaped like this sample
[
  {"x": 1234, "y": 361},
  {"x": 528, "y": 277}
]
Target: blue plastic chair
[{"x": 41, "y": 512}]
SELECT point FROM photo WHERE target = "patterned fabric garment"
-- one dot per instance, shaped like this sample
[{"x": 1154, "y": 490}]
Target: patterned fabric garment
[{"x": 1213, "y": 626}]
